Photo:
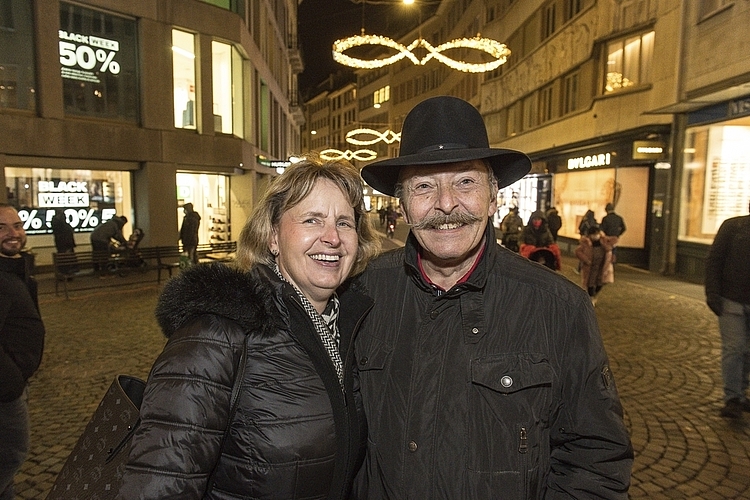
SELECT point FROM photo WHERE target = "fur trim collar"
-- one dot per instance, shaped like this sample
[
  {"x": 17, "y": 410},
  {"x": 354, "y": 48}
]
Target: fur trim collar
[{"x": 245, "y": 297}]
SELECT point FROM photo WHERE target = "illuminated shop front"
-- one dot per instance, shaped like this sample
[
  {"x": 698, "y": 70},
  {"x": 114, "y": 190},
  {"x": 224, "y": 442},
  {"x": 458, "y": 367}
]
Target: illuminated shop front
[
  {"x": 208, "y": 194},
  {"x": 529, "y": 194},
  {"x": 86, "y": 197},
  {"x": 622, "y": 173},
  {"x": 715, "y": 179}
]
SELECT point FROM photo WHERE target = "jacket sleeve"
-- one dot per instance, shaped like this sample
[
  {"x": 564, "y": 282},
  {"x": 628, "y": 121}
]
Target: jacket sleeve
[
  {"x": 591, "y": 455},
  {"x": 715, "y": 260},
  {"x": 184, "y": 413}
]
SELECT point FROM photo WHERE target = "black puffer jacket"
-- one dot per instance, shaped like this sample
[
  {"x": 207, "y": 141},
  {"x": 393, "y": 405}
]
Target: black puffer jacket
[{"x": 295, "y": 433}]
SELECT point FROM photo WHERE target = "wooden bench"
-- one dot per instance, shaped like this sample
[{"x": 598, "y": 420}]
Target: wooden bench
[{"x": 69, "y": 267}]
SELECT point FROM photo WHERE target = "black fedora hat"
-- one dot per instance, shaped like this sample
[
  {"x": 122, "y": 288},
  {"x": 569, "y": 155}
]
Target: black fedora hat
[{"x": 441, "y": 130}]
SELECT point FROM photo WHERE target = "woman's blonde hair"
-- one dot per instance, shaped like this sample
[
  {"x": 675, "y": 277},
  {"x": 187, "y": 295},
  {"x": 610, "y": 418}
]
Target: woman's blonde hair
[{"x": 289, "y": 189}]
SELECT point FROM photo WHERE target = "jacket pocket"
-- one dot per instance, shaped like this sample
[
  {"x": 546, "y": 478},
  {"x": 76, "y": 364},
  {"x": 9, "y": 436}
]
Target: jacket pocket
[{"x": 508, "y": 420}]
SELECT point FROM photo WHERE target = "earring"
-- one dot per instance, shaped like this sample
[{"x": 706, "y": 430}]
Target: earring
[{"x": 275, "y": 253}]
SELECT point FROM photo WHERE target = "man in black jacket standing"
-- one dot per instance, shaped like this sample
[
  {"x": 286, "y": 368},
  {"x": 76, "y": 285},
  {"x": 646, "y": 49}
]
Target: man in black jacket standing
[
  {"x": 728, "y": 296},
  {"x": 483, "y": 375},
  {"x": 22, "y": 341}
]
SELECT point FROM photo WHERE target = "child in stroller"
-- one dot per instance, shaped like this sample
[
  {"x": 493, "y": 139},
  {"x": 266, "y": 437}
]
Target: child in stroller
[{"x": 127, "y": 255}]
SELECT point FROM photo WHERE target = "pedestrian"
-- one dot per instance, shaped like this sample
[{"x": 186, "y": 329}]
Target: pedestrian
[
  {"x": 483, "y": 375},
  {"x": 189, "y": 232},
  {"x": 537, "y": 244},
  {"x": 22, "y": 340},
  {"x": 381, "y": 215},
  {"x": 594, "y": 251},
  {"x": 583, "y": 227},
  {"x": 64, "y": 237},
  {"x": 511, "y": 227},
  {"x": 613, "y": 225},
  {"x": 555, "y": 222},
  {"x": 728, "y": 296},
  {"x": 101, "y": 238},
  {"x": 298, "y": 430}
]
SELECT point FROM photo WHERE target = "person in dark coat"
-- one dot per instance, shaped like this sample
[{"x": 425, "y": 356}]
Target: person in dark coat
[
  {"x": 728, "y": 296},
  {"x": 588, "y": 221},
  {"x": 555, "y": 222},
  {"x": 101, "y": 237},
  {"x": 594, "y": 251},
  {"x": 189, "y": 232},
  {"x": 21, "y": 344},
  {"x": 511, "y": 227},
  {"x": 283, "y": 320},
  {"x": 64, "y": 237},
  {"x": 537, "y": 236},
  {"x": 483, "y": 375}
]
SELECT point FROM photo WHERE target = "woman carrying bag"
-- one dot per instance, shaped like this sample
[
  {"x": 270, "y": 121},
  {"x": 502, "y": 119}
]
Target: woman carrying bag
[{"x": 284, "y": 322}]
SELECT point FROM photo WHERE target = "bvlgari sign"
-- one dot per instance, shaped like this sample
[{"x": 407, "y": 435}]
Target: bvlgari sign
[{"x": 588, "y": 161}]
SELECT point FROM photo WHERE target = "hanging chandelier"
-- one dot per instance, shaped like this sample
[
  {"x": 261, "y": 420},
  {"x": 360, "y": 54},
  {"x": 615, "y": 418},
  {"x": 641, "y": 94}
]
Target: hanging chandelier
[{"x": 492, "y": 47}]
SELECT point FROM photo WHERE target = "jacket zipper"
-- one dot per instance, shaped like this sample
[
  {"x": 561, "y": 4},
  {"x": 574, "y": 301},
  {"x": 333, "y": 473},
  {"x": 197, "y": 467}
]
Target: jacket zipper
[{"x": 523, "y": 448}]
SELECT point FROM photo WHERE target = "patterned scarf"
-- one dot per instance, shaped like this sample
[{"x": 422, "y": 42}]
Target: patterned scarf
[{"x": 326, "y": 325}]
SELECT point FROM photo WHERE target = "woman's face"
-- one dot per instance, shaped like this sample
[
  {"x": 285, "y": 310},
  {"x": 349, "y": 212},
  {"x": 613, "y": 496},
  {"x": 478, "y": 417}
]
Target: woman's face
[{"x": 317, "y": 243}]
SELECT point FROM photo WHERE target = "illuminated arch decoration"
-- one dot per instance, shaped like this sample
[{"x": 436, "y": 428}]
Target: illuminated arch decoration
[
  {"x": 494, "y": 48},
  {"x": 360, "y": 154},
  {"x": 388, "y": 137}
]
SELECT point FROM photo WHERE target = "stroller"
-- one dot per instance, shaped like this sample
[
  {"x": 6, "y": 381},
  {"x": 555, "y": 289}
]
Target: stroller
[
  {"x": 127, "y": 255},
  {"x": 548, "y": 256}
]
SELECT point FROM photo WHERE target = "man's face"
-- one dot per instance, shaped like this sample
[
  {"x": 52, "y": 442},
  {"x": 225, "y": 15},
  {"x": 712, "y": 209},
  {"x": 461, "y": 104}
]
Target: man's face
[
  {"x": 12, "y": 234},
  {"x": 448, "y": 206},
  {"x": 536, "y": 222}
]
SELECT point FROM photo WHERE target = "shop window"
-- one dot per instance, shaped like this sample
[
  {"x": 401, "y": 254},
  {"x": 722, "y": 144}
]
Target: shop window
[
  {"x": 98, "y": 58},
  {"x": 715, "y": 179},
  {"x": 87, "y": 197},
  {"x": 629, "y": 62},
  {"x": 17, "y": 77},
  {"x": 570, "y": 93},
  {"x": 228, "y": 89},
  {"x": 208, "y": 194},
  {"x": 183, "y": 77}
]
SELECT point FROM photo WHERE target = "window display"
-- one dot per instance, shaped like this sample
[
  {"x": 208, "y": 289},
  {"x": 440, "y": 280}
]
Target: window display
[
  {"x": 183, "y": 63},
  {"x": 716, "y": 178},
  {"x": 208, "y": 194},
  {"x": 87, "y": 197}
]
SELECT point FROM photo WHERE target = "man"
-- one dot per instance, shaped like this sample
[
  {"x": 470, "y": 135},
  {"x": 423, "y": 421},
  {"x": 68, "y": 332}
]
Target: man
[
  {"x": 189, "y": 232},
  {"x": 100, "y": 240},
  {"x": 22, "y": 340},
  {"x": 555, "y": 222},
  {"x": 483, "y": 375},
  {"x": 728, "y": 296},
  {"x": 64, "y": 237},
  {"x": 612, "y": 224}
]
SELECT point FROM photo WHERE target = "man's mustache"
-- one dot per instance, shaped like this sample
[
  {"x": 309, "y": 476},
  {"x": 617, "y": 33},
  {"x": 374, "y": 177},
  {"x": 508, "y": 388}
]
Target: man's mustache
[{"x": 436, "y": 220}]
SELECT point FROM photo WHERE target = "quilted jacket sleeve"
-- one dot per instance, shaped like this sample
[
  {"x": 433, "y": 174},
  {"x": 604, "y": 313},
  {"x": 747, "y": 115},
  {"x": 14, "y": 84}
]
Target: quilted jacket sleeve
[{"x": 184, "y": 412}]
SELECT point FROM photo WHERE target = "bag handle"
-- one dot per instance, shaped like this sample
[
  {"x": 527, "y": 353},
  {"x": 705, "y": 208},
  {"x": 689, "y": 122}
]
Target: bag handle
[{"x": 235, "y": 396}]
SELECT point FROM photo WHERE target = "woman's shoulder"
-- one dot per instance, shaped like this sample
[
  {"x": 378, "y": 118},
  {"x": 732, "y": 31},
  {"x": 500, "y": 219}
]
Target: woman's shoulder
[{"x": 216, "y": 289}]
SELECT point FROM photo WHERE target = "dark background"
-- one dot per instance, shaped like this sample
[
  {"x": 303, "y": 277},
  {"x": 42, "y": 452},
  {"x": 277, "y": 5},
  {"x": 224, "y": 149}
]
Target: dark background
[{"x": 321, "y": 22}]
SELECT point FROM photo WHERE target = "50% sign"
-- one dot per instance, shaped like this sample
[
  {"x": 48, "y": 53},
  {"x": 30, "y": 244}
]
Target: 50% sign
[
  {"x": 88, "y": 58},
  {"x": 38, "y": 221}
]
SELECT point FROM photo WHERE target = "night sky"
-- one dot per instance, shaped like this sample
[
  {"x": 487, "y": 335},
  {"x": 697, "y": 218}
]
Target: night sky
[{"x": 321, "y": 22}]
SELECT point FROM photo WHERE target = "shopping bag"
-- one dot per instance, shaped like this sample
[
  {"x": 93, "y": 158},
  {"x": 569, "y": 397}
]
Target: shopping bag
[{"x": 95, "y": 467}]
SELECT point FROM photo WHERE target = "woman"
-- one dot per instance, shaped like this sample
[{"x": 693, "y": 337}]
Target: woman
[
  {"x": 298, "y": 430},
  {"x": 595, "y": 255}
]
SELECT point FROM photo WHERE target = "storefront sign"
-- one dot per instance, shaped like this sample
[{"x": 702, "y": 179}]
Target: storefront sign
[
  {"x": 262, "y": 160},
  {"x": 588, "y": 161},
  {"x": 648, "y": 150},
  {"x": 84, "y": 57},
  {"x": 740, "y": 107},
  {"x": 39, "y": 220},
  {"x": 62, "y": 194}
]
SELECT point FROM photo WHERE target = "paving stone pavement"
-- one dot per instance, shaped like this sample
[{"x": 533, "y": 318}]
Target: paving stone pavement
[{"x": 662, "y": 340}]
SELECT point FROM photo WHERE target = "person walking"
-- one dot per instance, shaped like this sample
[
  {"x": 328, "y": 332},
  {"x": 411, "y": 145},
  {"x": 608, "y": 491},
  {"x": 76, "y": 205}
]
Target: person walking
[
  {"x": 555, "y": 222},
  {"x": 511, "y": 227},
  {"x": 613, "y": 225},
  {"x": 587, "y": 222},
  {"x": 728, "y": 295},
  {"x": 483, "y": 375},
  {"x": 22, "y": 340},
  {"x": 298, "y": 429},
  {"x": 100, "y": 241},
  {"x": 189, "y": 232},
  {"x": 595, "y": 255}
]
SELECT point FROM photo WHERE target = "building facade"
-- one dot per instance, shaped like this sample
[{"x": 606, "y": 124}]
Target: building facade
[{"x": 136, "y": 108}]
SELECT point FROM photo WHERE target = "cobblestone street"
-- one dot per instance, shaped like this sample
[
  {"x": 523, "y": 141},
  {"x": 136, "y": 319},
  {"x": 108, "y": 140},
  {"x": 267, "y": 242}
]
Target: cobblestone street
[{"x": 662, "y": 340}]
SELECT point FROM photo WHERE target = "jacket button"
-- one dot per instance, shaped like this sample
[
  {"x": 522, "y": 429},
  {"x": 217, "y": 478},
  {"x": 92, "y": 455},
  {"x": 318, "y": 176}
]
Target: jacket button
[
  {"x": 412, "y": 446},
  {"x": 434, "y": 314},
  {"x": 363, "y": 361},
  {"x": 475, "y": 331},
  {"x": 506, "y": 381}
]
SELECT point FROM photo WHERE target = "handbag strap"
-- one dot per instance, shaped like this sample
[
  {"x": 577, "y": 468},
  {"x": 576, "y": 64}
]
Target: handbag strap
[{"x": 236, "y": 385}]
